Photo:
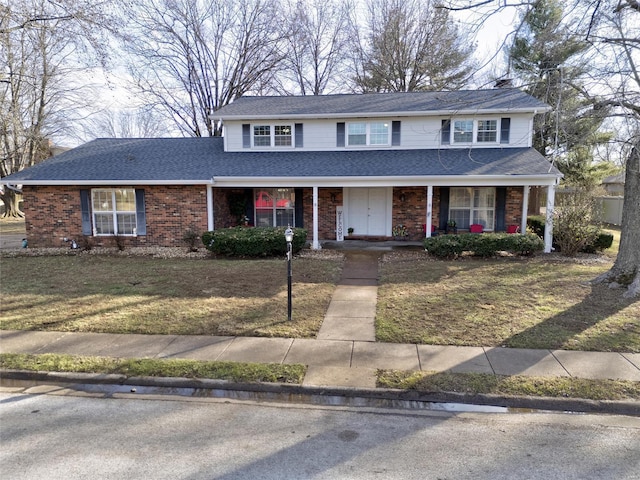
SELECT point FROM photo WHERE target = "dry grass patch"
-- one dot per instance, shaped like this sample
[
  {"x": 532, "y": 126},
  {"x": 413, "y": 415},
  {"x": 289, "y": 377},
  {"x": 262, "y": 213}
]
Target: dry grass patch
[
  {"x": 148, "y": 367},
  {"x": 544, "y": 302},
  {"x": 88, "y": 293},
  {"x": 479, "y": 383}
]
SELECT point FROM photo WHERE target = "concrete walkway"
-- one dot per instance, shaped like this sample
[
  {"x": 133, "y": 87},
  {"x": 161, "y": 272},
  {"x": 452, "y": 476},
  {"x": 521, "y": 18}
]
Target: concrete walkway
[
  {"x": 345, "y": 353},
  {"x": 351, "y": 362}
]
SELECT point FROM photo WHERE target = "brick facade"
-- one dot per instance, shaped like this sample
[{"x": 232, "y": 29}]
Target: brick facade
[
  {"x": 53, "y": 213},
  {"x": 513, "y": 214}
]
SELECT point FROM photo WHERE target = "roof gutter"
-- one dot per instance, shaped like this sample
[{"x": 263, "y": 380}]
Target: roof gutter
[
  {"x": 111, "y": 182},
  {"x": 397, "y": 181},
  {"x": 12, "y": 187}
]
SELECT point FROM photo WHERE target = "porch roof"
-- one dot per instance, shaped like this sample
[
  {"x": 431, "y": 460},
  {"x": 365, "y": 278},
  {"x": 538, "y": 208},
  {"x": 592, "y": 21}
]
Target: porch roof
[{"x": 171, "y": 161}]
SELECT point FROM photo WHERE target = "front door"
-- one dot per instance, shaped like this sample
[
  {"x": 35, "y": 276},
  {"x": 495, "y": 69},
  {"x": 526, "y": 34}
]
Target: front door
[{"x": 368, "y": 210}]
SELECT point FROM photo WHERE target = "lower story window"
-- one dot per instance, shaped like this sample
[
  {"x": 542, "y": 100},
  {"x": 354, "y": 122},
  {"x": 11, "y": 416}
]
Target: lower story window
[
  {"x": 468, "y": 206},
  {"x": 114, "y": 211},
  {"x": 274, "y": 207}
]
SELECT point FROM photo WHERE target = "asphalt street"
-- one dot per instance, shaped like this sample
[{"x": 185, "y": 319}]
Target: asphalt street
[{"x": 137, "y": 436}]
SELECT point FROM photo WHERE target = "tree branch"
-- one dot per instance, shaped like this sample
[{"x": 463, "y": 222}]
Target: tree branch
[{"x": 26, "y": 23}]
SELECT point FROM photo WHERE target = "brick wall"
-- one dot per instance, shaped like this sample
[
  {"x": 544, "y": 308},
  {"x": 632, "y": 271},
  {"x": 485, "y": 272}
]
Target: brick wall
[
  {"x": 51, "y": 214},
  {"x": 513, "y": 211},
  {"x": 410, "y": 210},
  {"x": 54, "y": 213},
  {"x": 172, "y": 210},
  {"x": 328, "y": 200}
]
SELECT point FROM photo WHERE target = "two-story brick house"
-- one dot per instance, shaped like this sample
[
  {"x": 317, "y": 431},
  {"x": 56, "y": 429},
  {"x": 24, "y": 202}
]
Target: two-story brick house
[{"x": 325, "y": 163}]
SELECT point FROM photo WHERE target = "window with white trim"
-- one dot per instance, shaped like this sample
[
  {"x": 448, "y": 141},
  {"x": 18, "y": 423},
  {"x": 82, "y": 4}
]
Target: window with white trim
[
  {"x": 274, "y": 207},
  {"x": 114, "y": 211},
  {"x": 468, "y": 206},
  {"x": 272, "y": 136},
  {"x": 371, "y": 134},
  {"x": 469, "y": 131},
  {"x": 462, "y": 131},
  {"x": 487, "y": 131}
]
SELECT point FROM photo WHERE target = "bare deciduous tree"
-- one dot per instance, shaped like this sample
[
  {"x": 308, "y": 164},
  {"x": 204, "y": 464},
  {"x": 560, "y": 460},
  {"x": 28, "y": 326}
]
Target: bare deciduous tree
[
  {"x": 409, "y": 45},
  {"x": 42, "y": 45},
  {"x": 316, "y": 38},
  {"x": 138, "y": 123},
  {"x": 195, "y": 56}
]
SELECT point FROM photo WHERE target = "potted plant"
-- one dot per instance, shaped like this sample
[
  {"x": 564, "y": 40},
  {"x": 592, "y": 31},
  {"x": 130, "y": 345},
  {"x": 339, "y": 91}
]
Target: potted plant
[
  {"x": 399, "y": 232},
  {"x": 451, "y": 226},
  {"x": 350, "y": 231}
]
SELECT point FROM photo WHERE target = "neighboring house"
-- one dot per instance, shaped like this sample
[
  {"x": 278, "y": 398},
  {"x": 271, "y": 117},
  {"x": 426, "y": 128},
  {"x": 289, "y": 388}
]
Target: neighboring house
[
  {"x": 614, "y": 184},
  {"x": 325, "y": 163}
]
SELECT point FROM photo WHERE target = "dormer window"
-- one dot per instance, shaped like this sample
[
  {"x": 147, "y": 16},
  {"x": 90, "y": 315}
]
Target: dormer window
[{"x": 272, "y": 135}]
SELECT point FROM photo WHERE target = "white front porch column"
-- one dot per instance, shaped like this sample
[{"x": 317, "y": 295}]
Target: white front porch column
[
  {"x": 316, "y": 243},
  {"x": 525, "y": 209},
  {"x": 429, "y": 210},
  {"x": 210, "y": 208},
  {"x": 548, "y": 227}
]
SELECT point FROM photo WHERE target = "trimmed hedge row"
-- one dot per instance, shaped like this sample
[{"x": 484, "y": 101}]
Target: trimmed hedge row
[
  {"x": 482, "y": 245},
  {"x": 252, "y": 242},
  {"x": 602, "y": 241}
]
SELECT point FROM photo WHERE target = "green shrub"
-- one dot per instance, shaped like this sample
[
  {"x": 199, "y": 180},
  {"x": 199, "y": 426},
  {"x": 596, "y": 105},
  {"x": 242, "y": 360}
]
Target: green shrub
[
  {"x": 444, "y": 246},
  {"x": 526, "y": 244},
  {"x": 252, "y": 242},
  {"x": 603, "y": 241},
  {"x": 482, "y": 245}
]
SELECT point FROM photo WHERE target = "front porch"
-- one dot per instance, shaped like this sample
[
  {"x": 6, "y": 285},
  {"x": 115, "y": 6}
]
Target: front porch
[{"x": 374, "y": 214}]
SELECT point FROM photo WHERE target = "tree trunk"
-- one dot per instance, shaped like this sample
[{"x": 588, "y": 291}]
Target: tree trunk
[
  {"x": 10, "y": 200},
  {"x": 626, "y": 269}
]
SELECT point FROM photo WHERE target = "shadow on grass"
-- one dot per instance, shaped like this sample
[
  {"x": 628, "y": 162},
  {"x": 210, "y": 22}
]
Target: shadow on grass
[{"x": 559, "y": 331}]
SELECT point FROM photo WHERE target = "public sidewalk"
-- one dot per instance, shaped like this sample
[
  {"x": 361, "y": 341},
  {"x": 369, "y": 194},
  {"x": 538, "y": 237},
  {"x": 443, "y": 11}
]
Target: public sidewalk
[{"x": 332, "y": 362}]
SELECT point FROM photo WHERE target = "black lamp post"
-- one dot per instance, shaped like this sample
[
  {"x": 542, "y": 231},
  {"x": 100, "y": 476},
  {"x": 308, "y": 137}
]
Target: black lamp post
[{"x": 288, "y": 236}]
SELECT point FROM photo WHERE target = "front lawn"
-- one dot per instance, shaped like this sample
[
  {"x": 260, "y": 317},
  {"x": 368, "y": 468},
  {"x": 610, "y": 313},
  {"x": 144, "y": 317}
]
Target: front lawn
[
  {"x": 112, "y": 294},
  {"x": 542, "y": 302}
]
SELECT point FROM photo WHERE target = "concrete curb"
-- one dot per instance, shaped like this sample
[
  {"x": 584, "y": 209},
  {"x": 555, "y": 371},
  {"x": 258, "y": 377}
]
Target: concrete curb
[{"x": 336, "y": 396}]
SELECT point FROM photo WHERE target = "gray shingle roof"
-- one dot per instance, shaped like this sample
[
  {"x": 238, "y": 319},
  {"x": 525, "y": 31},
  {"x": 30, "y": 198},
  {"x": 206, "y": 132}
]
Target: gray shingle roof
[
  {"x": 198, "y": 160},
  {"x": 504, "y": 99}
]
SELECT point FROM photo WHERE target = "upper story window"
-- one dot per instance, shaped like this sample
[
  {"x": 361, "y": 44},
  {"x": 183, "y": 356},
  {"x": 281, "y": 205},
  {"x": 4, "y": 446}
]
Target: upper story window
[
  {"x": 374, "y": 133},
  {"x": 471, "y": 131},
  {"x": 487, "y": 131},
  {"x": 272, "y": 135},
  {"x": 462, "y": 131}
]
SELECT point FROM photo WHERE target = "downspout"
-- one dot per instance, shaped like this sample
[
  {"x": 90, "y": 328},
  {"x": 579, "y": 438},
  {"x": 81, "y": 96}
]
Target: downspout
[
  {"x": 525, "y": 209},
  {"x": 316, "y": 243},
  {"x": 429, "y": 211},
  {"x": 210, "y": 219}
]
